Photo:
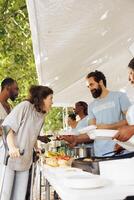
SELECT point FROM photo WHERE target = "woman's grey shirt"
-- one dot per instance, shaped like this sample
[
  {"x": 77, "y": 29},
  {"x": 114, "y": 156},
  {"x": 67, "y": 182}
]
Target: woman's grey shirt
[{"x": 26, "y": 123}]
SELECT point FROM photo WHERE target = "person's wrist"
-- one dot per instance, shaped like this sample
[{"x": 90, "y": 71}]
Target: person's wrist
[{"x": 11, "y": 146}]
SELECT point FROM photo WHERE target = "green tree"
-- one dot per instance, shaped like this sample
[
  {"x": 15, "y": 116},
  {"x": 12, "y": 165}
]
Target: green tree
[
  {"x": 16, "y": 53},
  {"x": 54, "y": 120}
]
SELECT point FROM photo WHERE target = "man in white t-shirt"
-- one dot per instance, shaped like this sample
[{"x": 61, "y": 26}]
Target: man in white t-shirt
[{"x": 9, "y": 90}]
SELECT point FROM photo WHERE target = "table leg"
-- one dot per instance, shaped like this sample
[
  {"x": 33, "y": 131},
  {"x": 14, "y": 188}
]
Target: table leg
[
  {"x": 40, "y": 183},
  {"x": 47, "y": 190}
]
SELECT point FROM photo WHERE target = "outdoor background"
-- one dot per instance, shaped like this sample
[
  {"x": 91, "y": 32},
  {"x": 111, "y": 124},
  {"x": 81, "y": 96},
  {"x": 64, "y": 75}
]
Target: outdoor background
[{"x": 16, "y": 54}]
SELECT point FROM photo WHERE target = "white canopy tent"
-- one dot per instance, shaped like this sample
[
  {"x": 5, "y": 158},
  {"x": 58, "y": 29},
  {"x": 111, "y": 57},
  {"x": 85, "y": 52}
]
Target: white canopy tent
[{"x": 73, "y": 37}]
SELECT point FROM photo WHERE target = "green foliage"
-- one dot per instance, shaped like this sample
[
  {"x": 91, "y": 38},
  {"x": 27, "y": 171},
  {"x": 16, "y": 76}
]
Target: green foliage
[
  {"x": 54, "y": 120},
  {"x": 16, "y": 53}
]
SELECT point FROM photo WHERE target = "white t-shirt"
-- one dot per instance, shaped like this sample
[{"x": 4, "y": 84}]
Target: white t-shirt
[
  {"x": 130, "y": 115},
  {"x": 3, "y": 115},
  {"x": 83, "y": 123}
]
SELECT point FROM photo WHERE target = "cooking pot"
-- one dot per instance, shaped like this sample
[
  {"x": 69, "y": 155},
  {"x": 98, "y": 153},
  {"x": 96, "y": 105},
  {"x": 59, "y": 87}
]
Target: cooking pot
[{"x": 83, "y": 150}]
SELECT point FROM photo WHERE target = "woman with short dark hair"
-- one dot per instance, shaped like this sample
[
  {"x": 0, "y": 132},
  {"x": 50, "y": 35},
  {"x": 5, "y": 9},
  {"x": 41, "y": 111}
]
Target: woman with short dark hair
[{"x": 25, "y": 122}]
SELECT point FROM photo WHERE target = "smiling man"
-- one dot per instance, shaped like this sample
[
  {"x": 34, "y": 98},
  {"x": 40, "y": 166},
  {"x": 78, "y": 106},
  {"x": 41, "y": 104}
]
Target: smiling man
[{"x": 107, "y": 111}]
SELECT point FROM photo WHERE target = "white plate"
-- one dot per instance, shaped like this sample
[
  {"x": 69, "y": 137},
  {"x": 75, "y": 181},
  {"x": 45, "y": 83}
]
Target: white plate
[
  {"x": 85, "y": 182},
  {"x": 62, "y": 172},
  {"x": 67, "y": 169},
  {"x": 87, "y": 129},
  {"x": 102, "y": 134},
  {"x": 77, "y": 174}
]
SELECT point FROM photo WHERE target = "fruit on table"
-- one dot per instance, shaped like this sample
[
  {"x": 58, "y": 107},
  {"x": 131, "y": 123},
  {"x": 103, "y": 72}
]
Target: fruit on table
[
  {"x": 63, "y": 157},
  {"x": 50, "y": 154},
  {"x": 56, "y": 159},
  {"x": 52, "y": 162}
]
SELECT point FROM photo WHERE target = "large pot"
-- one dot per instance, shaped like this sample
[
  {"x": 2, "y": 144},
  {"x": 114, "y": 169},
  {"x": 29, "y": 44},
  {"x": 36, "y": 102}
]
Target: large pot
[{"x": 83, "y": 150}]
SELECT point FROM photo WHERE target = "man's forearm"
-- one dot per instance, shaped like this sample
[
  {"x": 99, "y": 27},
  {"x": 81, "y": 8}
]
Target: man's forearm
[
  {"x": 112, "y": 126},
  {"x": 82, "y": 138},
  {"x": 118, "y": 124}
]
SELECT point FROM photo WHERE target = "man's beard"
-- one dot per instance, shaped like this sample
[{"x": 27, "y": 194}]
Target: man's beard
[
  {"x": 13, "y": 97},
  {"x": 131, "y": 81},
  {"x": 96, "y": 92}
]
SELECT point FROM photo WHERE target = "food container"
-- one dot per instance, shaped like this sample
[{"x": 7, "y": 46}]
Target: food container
[
  {"x": 93, "y": 164},
  {"x": 83, "y": 150},
  {"x": 80, "y": 152}
]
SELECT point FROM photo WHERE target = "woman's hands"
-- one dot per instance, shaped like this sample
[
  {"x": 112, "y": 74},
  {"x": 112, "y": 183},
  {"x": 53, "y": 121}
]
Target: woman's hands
[
  {"x": 44, "y": 138},
  {"x": 14, "y": 152},
  {"x": 38, "y": 150}
]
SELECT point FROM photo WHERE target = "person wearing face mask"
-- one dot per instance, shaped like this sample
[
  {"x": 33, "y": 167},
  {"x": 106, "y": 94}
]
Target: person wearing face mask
[
  {"x": 126, "y": 132},
  {"x": 107, "y": 111},
  {"x": 24, "y": 124}
]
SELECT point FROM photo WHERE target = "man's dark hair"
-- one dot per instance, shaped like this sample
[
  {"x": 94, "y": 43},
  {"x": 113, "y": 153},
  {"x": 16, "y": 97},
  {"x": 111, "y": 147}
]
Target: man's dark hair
[
  {"x": 7, "y": 82},
  {"x": 131, "y": 64},
  {"x": 98, "y": 76},
  {"x": 84, "y": 105},
  {"x": 37, "y": 94},
  {"x": 72, "y": 116}
]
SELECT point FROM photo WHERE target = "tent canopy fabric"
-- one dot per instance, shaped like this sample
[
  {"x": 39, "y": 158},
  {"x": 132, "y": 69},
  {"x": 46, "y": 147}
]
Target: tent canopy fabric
[{"x": 74, "y": 37}]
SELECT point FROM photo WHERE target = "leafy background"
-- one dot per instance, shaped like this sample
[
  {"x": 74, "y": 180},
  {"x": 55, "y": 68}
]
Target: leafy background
[{"x": 16, "y": 54}]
